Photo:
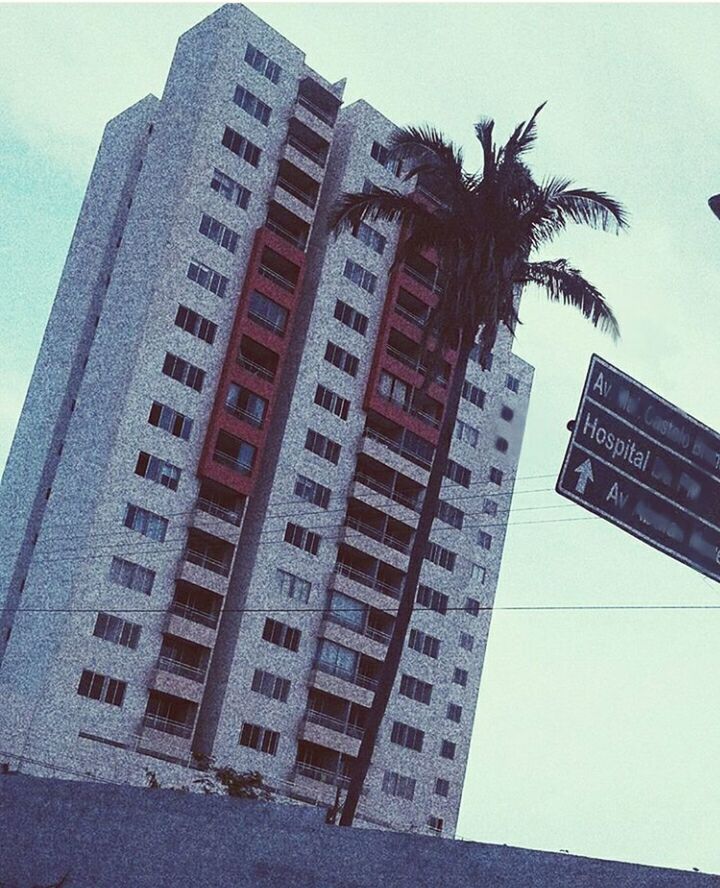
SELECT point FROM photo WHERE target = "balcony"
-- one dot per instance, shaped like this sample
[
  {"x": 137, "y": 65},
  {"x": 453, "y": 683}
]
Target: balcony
[
  {"x": 287, "y": 225},
  {"x": 368, "y": 630},
  {"x": 400, "y": 440},
  {"x": 411, "y": 308},
  {"x": 409, "y": 353},
  {"x": 177, "y": 667},
  {"x": 196, "y": 604},
  {"x": 322, "y": 775},
  {"x": 217, "y": 510},
  {"x": 257, "y": 359},
  {"x": 425, "y": 273},
  {"x": 298, "y": 184},
  {"x": 169, "y": 715},
  {"x": 342, "y": 726},
  {"x": 377, "y": 533},
  {"x": 305, "y": 140},
  {"x": 234, "y": 453},
  {"x": 368, "y": 571},
  {"x": 320, "y": 102},
  {"x": 279, "y": 270},
  {"x": 209, "y": 552},
  {"x": 389, "y": 483}
]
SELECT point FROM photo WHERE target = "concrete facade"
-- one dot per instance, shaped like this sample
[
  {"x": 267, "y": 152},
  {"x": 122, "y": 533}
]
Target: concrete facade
[
  {"x": 100, "y": 836},
  {"x": 224, "y": 532}
]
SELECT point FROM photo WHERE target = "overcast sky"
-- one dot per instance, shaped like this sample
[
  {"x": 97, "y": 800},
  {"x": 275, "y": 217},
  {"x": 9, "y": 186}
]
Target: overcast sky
[{"x": 597, "y": 731}]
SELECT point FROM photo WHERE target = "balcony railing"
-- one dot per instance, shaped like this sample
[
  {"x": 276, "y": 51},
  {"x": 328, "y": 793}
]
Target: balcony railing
[
  {"x": 276, "y": 278},
  {"x": 316, "y": 110},
  {"x": 308, "y": 152},
  {"x": 351, "y": 675},
  {"x": 177, "y": 667},
  {"x": 167, "y": 725},
  {"x": 387, "y": 490},
  {"x": 422, "y": 415},
  {"x": 303, "y": 196},
  {"x": 322, "y": 775},
  {"x": 430, "y": 283},
  {"x": 213, "y": 508},
  {"x": 192, "y": 613},
  {"x": 342, "y": 726},
  {"x": 245, "y": 415},
  {"x": 382, "y": 536},
  {"x": 256, "y": 369},
  {"x": 368, "y": 580},
  {"x": 398, "y": 447},
  {"x": 204, "y": 560},
  {"x": 418, "y": 320},
  {"x": 233, "y": 462},
  {"x": 415, "y": 364},
  {"x": 286, "y": 234},
  {"x": 368, "y": 631}
]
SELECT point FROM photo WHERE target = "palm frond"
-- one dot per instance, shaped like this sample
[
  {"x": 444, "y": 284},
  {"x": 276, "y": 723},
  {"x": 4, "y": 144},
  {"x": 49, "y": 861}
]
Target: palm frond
[
  {"x": 522, "y": 139},
  {"x": 593, "y": 208},
  {"x": 386, "y": 205},
  {"x": 564, "y": 283},
  {"x": 484, "y": 132},
  {"x": 425, "y": 143}
]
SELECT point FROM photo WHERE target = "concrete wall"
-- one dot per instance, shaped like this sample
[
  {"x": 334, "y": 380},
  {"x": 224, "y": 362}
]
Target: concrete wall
[{"x": 103, "y": 836}]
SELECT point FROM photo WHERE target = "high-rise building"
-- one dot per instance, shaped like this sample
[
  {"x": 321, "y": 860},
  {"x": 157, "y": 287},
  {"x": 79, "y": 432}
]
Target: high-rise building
[{"x": 210, "y": 498}]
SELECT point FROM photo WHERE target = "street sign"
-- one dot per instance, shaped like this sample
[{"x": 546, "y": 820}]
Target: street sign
[{"x": 643, "y": 464}]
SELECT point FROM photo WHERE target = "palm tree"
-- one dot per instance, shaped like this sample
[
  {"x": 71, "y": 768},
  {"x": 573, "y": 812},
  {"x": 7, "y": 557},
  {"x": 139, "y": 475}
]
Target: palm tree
[{"x": 483, "y": 228}]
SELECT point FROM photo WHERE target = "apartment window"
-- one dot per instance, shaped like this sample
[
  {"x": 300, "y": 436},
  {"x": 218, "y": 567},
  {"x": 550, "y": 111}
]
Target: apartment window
[
  {"x": 484, "y": 539},
  {"x": 322, "y": 446},
  {"x": 507, "y": 413},
  {"x": 501, "y": 444},
  {"x": 145, "y": 522},
  {"x": 435, "y": 823},
  {"x": 158, "y": 470},
  {"x": 447, "y": 749},
  {"x": 394, "y": 389},
  {"x": 102, "y": 687},
  {"x": 467, "y": 641},
  {"x": 472, "y": 607},
  {"x": 457, "y": 473},
  {"x": 460, "y": 677},
  {"x": 241, "y": 146},
  {"x": 332, "y": 402},
  {"x": 246, "y": 405},
  {"x": 473, "y": 393},
  {"x": 432, "y": 599},
  {"x": 496, "y": 476},
  {"x": 218, "y": 233},
  {"x": 281, "y": 634},
  {"x": 371, "y": 238},
  {"x": 360, "y": 276},
  {"x": 195, "y": 324},
  {"x": 512, "y": 383},
  {"x": 268, "y": 313},
  {"x": 424, "y": 643},
  {"x": 467, "y": 433},
  {"x": 293, "y": 587},
  {"x": 131, "y": 576},
  {"x": 490, "y": 507},
  {"x": 117, "y": 631},
  {"x": 475, "y": 356},
  {"x": 477, "y": 573},
  {"x": 302, "y": 538},
  {"x": 406, "y": 735},
  {"x": 341, "y": 359},
  {"x": 415, "y": 689},
  {"x": 207, "y": 277},
  {"x": 454, "y": 712},
  {"x": 382, "y": 155},
  {"x": 259, "y": 738},
  {"x": 270, "y": 685},
  {"x": 252, "y": 105},
  {"x": 231, "y": 190},
  {"x": 442, "y": 787},
  {"x": 450, "y": 514},
  {"x": 441, "y": 556},
  {"x": 312, "y": 492},
  {"x": 260, "y": 62},
  {"x": 395, "y": 784},
  {"x": 183, "y": 371},
  {"x": 351, "y": 317}
]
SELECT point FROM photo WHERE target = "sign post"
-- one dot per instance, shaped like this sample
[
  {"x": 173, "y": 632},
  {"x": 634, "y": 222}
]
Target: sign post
[{"x": 646, "y": 466}]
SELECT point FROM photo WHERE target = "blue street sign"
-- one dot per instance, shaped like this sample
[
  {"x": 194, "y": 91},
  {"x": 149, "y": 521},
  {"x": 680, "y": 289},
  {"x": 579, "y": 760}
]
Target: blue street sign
[{"x": 647, "y": 466}]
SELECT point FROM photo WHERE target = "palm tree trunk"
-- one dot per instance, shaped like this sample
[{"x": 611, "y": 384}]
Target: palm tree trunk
[{"x": 389, "y": 670}]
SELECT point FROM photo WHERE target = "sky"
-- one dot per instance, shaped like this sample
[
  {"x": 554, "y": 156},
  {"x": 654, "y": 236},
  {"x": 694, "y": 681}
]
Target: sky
[{"x": 597, "y": 729}]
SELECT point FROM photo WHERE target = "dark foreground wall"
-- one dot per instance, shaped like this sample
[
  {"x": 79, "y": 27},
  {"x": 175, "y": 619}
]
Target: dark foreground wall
[{"x": 106, "y": 836}]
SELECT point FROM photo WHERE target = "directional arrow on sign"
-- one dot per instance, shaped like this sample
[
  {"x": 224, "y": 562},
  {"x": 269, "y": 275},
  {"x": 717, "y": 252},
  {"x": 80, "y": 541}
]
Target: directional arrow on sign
[{"x": 585, "y": 474}]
